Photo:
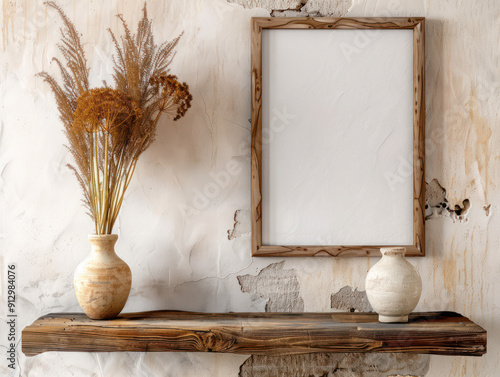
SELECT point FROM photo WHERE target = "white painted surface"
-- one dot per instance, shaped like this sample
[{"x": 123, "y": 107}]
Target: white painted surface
[{"x": 337, "y": 137}]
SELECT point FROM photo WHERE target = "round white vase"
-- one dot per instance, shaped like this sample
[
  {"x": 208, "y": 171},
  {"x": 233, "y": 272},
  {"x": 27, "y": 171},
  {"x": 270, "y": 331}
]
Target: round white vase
[
  {"x": 103, "y": 280},
  {"x": 393, "y": 286}
]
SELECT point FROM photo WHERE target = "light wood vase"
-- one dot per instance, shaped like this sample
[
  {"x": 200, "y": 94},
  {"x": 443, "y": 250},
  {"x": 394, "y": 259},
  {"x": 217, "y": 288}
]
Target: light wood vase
[
  {"x": 393, "y": 286},
  {"x": 103, "y": 280}
]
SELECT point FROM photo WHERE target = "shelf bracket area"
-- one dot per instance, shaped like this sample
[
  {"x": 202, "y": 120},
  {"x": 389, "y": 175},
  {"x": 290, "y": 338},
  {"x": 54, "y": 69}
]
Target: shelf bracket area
[{"x": 438, "y": 333}]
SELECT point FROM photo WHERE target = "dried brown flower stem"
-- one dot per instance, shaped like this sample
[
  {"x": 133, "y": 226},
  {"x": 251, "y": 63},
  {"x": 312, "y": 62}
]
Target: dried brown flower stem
[{"x": 109, "y": 128}]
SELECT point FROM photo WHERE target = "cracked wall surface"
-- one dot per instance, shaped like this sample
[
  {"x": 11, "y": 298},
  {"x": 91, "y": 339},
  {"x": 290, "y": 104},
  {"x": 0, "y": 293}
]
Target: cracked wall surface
[
  {"x": 349, "y": 299},
  {"x": 436, "y": 204},
  {"x": 277, "y": 285},
  {"x": 190, "y": 251},
  {"x": 241, "y": 224},
  {"x": 335, "y": 365},
  {"x": 271, "y": 5},
  {"x": 302, "y": 8}
]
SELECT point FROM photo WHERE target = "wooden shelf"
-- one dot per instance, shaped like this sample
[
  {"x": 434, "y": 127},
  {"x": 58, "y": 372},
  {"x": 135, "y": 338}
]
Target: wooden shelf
[{"x": 441, "y": 333}]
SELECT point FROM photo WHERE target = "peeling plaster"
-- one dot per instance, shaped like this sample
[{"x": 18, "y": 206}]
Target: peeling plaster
[
  {"x": 323, "y": 8},
  {"x": 278, "y": 285},
  {"x": 335, "y": 365},
  {"x": 351, "y": 300},
  {"x": 241, "y": 224},
  {"x": 299, "y": 8},
  {"x": 437, "y": 205},
  {"x": 271, "y": 4},
  {"x": 316, "y": 8},
  {"x": 289, "y": 13}
]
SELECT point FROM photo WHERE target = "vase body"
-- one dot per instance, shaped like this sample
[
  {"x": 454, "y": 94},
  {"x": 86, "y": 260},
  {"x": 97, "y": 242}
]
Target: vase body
[
  {"x": 102, "y": 280},
  {"x": 393, "y": 286}
]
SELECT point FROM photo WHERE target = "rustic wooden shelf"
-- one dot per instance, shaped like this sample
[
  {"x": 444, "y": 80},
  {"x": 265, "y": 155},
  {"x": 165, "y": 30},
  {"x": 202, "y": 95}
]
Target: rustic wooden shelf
[{"x": 441, "y": 333}]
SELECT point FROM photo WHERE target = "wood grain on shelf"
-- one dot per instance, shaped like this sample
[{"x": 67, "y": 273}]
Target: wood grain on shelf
[{"x": 442, "y": 333}]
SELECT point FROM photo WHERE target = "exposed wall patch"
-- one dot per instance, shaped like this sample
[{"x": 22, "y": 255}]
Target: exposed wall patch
[
  {"x": 351, "y": 300},
  {"x": 241, "y": 224},
  {"x": 323, "y": 8},
  {"x": 272, "y": 4},
  {"x": 335, "y": 365},
  {"x": 304, "y": 8},
  {"x": 437, "y": 205},
  {"x": 279, "y": 286},
  {"x": 315, "y": 8}
]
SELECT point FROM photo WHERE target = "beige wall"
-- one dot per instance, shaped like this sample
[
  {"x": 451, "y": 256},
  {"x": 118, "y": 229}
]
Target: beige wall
[{"x": 200, "y": 259}]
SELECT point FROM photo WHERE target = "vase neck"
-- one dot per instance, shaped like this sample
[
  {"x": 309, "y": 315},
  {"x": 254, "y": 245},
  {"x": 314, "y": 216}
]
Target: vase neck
[
  {"x": 103, "y": 243},
  {"x": 393, "y": 251}
]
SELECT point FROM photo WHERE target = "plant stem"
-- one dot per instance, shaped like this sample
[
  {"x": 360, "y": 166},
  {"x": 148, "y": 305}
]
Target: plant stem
[{"x": 105, "y": 184}]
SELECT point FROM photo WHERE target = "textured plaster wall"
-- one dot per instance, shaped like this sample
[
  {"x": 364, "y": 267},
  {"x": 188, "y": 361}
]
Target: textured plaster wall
[{"x": 193, "y": 253}]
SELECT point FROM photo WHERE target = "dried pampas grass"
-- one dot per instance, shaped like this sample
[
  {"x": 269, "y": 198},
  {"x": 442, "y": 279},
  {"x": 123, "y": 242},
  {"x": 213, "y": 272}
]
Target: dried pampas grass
[{"x": 109, "y": 128}]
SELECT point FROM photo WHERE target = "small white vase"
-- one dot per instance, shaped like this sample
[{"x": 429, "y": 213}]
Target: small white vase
[
  {"x": 393, "y": 286},
  {"x": 102, "y": 280}
]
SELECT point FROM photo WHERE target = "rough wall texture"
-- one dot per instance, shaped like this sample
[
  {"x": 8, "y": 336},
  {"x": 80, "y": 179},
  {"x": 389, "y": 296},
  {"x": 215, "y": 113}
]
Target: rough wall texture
[
  {"x": 265, "y": 285},
  {"x": 271, "y": 5},
  {"x": 335, "y": 365},
  {"x": 176, "y": 239},
  {"x": 349, "y": 299},
  {"x": 292, "y": 8},
  {"x": 437, "y": 204}
]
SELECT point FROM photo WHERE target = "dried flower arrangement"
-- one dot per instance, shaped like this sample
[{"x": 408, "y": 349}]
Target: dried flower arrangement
[{"x": 109, "y": 128}]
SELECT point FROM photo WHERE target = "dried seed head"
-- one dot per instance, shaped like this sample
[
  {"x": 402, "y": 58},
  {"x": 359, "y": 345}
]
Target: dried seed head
[
  {"x": 104, "y": 109},
  {"x": 175, "y": 96}
]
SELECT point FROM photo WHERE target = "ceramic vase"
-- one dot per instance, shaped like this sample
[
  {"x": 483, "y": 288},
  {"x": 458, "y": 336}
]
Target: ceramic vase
[
  {"x": 102, "y": 280},
  {"x": 393, "y": 286}
]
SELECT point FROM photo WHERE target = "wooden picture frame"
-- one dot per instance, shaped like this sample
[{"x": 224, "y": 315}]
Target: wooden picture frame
[{"x": 417, "y": 25}]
